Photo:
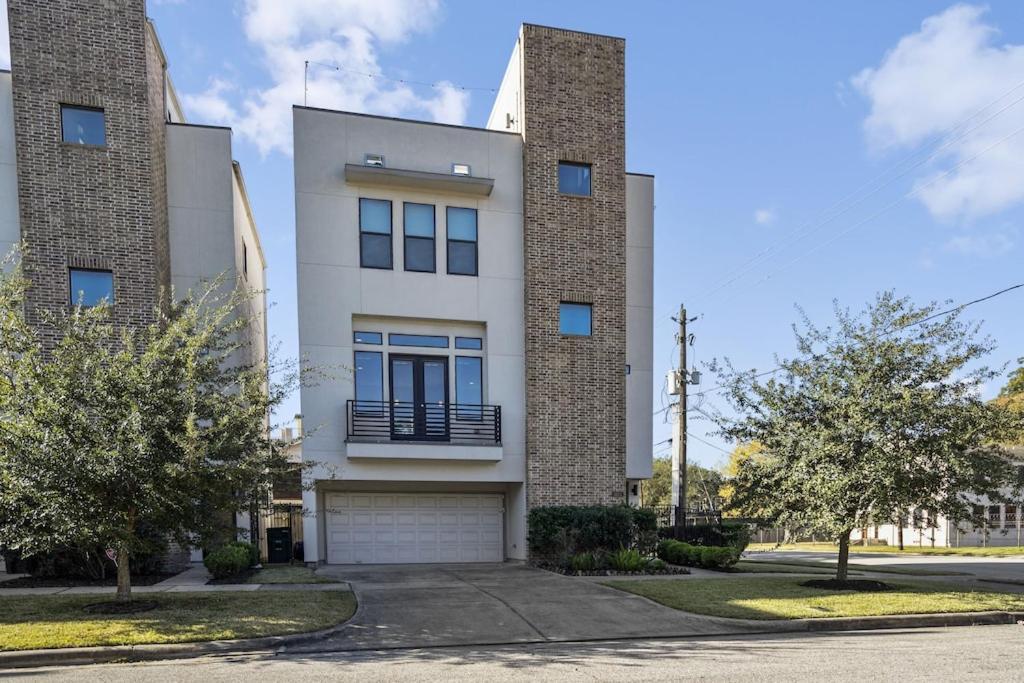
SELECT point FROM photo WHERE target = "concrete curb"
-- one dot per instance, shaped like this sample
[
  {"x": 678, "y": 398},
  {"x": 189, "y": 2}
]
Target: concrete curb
[{"x": 270, "y": 644}]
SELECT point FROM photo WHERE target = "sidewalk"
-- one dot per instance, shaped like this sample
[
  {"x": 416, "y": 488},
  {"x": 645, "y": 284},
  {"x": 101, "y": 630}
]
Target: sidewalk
[{"x": 192, "y": 580}]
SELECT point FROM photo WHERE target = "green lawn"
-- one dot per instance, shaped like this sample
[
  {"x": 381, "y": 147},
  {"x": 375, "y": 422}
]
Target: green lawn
[
  {"x": 284, "y": 573},
  {"x": 785, "y": 598},
  {"x": 764, "y": 567},
  {"x": 48, "y": 621},
  {"x": 1006, "y": 551}
]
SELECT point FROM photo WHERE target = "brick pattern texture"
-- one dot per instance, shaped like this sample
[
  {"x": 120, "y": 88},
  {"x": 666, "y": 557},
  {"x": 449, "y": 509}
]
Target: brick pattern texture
[
  {"x": 79, "y": 204},
  {"x": 575, "y": 250}
]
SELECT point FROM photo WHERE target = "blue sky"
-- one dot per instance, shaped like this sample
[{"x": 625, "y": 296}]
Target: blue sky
[{"x": 756, "y": 118}]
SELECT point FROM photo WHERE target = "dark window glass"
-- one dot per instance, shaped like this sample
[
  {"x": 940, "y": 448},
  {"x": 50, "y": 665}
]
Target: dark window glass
[
  {"x": 368, "y": 337},
  {"x": 375, "y": 233},
  {"x": 82, "y": 125},
  {"x": 90, "y": 287},
  {"x": 469, "y": 343},
  {"x": 369, "y": 381},
  {"x": 462, "y": 241},
  {"x": 469, "y": 386},
  {"x": 574, "y": 178},
  {"x": 419, "y": 237},
  {"x": 575, "y": 319},
  {"x": 430, "y": 340}
]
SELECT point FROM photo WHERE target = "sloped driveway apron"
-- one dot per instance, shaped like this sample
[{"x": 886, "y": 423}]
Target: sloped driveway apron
[{"x": 408, "y": 606}]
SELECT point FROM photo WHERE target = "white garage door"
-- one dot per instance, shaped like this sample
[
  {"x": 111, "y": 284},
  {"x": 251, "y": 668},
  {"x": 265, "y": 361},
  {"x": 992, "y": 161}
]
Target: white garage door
[{"x": 394, "y": 528}]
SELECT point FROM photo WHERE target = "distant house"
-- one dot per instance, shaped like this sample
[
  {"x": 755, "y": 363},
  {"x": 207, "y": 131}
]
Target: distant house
[{"x": 1004, "y": 525}]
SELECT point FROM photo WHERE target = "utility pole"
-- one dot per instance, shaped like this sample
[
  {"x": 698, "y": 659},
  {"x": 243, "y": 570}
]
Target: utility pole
[{"x": 679, "y": 428}]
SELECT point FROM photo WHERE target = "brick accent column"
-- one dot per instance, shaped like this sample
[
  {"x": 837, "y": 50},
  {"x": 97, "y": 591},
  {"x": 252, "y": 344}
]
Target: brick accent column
[
  {"x": 575, "y": 250},
  {"x": 104, "y": 206}
]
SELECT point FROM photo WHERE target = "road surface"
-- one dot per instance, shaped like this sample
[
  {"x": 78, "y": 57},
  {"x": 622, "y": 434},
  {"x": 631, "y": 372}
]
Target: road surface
[{"x": 981, "y": 653}]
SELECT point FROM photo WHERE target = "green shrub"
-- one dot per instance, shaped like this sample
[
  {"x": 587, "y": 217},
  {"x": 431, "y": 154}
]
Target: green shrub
[
  {"x": 626, "y": 560},
  {"x": 227, "y": 561},
  {"x": 712, "y": 557},
  {"x": 654, "y": 564},
  {"x": 727, "y": 534},
  {"x": 584, "y": 562},
  {"x": 252, "y": 551},
  {"x": 557, "y": 533}
]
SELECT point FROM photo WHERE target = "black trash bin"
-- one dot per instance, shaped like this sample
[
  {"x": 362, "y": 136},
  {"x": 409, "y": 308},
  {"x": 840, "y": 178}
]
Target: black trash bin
[{"x": 279, "y": 545}]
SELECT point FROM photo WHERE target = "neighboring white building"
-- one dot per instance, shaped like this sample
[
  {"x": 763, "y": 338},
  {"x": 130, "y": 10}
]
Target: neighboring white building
[
  {"x": 1004, "y": 525},
  {"x": 421, "y": 259}
]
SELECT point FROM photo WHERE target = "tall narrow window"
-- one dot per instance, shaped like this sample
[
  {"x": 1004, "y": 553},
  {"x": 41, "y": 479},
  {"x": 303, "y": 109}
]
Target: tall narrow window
[
  {"x": 419, "y": 237},
  {"x": 82, "y": 125},
  {"x": 369, "y": 382},
  {"x": 375, "y": 233},
  {"x": 469, "y": 392},
  {"x": 574, "y": 178},
  {"x": 462, "y": 241},
  {"x": 574, "y": 320},
  {"x": 91, "y": 287}
]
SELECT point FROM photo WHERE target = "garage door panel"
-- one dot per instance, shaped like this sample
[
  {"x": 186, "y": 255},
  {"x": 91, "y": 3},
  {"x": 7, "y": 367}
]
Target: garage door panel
[{"x": 411, "y": 528}]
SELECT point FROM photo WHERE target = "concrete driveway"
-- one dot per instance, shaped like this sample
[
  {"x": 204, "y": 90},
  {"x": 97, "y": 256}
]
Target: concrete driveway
[{"x": 479, "y": 604}]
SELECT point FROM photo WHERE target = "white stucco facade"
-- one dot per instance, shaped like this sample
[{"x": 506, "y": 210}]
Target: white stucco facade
[{"x": 338, "y": 298}]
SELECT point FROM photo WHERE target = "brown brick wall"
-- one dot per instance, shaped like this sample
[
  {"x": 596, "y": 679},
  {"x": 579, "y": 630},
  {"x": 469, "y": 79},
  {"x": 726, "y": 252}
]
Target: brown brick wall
[
  {"x": 575, "y": 250},
  {"x": 101, "y": 205}
]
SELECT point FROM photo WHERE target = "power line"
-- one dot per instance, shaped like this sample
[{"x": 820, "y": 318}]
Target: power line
[
  {"x": 708, "y": 443},
  {"x": 955, "y": 309}
]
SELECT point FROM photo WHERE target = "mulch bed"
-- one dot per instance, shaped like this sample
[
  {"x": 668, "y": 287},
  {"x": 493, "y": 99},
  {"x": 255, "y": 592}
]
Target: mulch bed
[
  {"x": 49, "y": 582},
  {"x": 129, "y": 607},
  {"x": 667, "y": 571},
  {"x": 859, "y": 585}
]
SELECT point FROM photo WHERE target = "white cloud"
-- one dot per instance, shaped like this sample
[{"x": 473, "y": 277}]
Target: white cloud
[
  {"x": 764, "y": 216},
  {"x": 985, "y": 246},
  {"x": 344, "y": 33},
  {"x": 927, "y": 86},
  {"x": 5, "y": 43}
]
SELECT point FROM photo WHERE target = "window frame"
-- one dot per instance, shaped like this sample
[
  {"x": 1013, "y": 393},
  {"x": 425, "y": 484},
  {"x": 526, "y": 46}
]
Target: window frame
[
  {"x": 390, "y": 234},
  {"x": 590, "y": 178},
  {"x": 449, "y": 241},
  {"x": 72, "y": 299},
  {"x": 377, "y": 411},
  {"x": 406, "y": 237},
  {"x": 82, "y": 107},
  {"x": 392, "y": 342},
  {"x": 590, "y": 318},
  {"x": 475, "y": 343},
  {"x": 466, "y": 411}
]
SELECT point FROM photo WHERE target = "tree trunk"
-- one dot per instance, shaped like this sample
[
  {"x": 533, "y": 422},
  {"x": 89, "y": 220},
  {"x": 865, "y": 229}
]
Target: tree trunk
[
  {"x": 844, "y": 555},
  {"x": 124, "y": 577},
  {"x": 900, "y": 533}
]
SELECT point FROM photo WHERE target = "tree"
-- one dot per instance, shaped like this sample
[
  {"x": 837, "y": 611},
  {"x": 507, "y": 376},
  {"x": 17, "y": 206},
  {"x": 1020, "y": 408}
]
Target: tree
[
  {"x": 876, "y": 415},
  {"x": 1011, "y": 397},
  {"x": 111, "y": 434},
  {"x": 702, "y": 484}
]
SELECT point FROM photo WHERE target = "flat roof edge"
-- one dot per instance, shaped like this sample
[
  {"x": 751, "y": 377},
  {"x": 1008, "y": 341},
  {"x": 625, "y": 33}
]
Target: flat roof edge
[{"x": 403, "y": 120}]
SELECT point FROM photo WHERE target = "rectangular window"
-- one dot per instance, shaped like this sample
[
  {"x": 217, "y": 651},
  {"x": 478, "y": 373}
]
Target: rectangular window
[
  {"x": 574, "y": 178},
  {"x": 472, "y": 343},
  {"x": 469, "y": 390},
  {"x": 369, "y": 382},
  {"x": 82, "y": 125},
  {"x": 575, "y": 320},
  {"x": 91, "y": 287},
  {"x": 367, "y": 337},
  {"x": 375, "y": 233},
  {"x": 418, "y": 220},
  {"x": 462, "y": 241},
  {"x": 428, "y": 340}
]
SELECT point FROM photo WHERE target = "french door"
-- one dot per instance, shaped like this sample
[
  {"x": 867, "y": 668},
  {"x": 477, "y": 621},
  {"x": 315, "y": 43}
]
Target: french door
[{"x": 419, "y": 397}]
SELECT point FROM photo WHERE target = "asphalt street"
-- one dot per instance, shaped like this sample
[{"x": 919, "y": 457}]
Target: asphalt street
[{"x": 980, "y": 653}]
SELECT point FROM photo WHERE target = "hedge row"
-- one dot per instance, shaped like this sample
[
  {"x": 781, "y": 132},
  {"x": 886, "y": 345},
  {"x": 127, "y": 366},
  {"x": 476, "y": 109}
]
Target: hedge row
[
  {"x": 557, "y": 533},
  {"x": 706, "y": 556},
  {"x": 732, "y": 535},
  {"x": 232, "y": 559}
]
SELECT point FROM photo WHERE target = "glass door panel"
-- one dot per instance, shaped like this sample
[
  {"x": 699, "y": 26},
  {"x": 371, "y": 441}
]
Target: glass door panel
[
  {"x": 403, "y": 397},
  {"x": 435, "y": 398},
  {"x": 419, "y": 397}
]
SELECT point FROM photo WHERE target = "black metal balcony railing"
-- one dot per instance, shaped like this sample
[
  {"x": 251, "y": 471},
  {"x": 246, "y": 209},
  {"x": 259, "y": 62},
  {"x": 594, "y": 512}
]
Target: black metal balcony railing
[{"x": 383, "y": 421}]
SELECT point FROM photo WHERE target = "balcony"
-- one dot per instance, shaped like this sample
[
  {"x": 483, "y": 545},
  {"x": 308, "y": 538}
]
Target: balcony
[{"x": 401, "y": 430}]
